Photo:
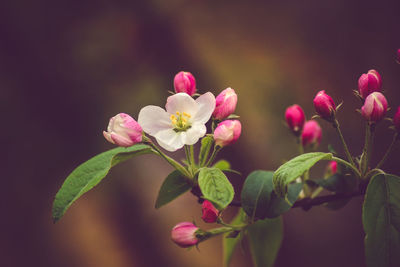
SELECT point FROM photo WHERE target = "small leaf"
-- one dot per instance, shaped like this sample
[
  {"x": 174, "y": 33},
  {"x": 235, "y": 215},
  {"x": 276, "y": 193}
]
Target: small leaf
[
  {"x": 205, "y": 148},
  {"x": 295, "y": 168},
  {"x": 229, "y": 243},
  {"x": 338, "y": 183},
  {"x": 173, "y": 186},
  {"x": 265, "y": 238},
  {"x": 381, "y": 220},
  {"x": 90, "y": 173},
  {"x": 216, "y": 187},
  {"x": 259, "y": 200},
  {"x": 223, "y": 165}
]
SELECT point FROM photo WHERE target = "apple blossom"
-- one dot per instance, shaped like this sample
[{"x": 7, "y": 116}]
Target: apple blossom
[{"x": 182, "y": 123}]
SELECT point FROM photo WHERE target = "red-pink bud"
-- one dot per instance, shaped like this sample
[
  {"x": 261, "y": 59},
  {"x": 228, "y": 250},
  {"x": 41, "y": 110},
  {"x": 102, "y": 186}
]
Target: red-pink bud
[
  {"x": 295, "y": 118},
  {"x": 184, "y": 82},
  {"x": 396, "y": 120},
  {"x": 225, "y": 104},
  {"x": 369, "y": 82},
  {"x": 210, "y": 213},
  {"x": 227, "y": 132},
  {"x": 398, "y": 56},
  {"x": 312, "y": 133},
  {"x": 332, "y": 167},
  {"x": 184, "y": 234},
  {"x": 123, "y": 131},
  {"x": 324, "y": 106},
  {"x": 375, "y": 107}
]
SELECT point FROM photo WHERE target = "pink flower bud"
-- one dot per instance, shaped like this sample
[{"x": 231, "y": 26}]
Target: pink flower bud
[
  {"x": 184, "y": 82},
  {"x": 210, "y": 213},
  {"x": 332, "y": 167},
  {"x": 184, "y": 234},
  {"x": 369, "y": 82},
  {"x": 375, "y": 107},
  {"x": 396, "y": 120},
  {"x": 295, "y": 118},
  {"x": 225, "y": 104},
  {"x": 227, "y": 132},
  {"x": 123, "y": 130},
  {"x": 324, "y": 106},
  {"x": 311, "y": 134}
]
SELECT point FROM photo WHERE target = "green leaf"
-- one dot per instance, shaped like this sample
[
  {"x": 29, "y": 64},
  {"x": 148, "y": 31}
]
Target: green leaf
[
  {"x": 381, "y": 220},
  {"x": 259, "y": 200},
  {"x": 295, "y": 168},
  {"x": 206, "y": 143},
  {"x": 173, "y": 186},
  {"x": 229, "y": 243},
  {"x": 216, "y": 187},
  {"x": 90, "y": 173},
  {"x": 265, "y": 238}
]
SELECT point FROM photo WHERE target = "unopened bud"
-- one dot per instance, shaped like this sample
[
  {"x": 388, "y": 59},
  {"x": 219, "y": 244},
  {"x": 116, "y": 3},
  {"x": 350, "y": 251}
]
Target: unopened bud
[
  {"x": 225, "y": 104},
  {"x": 227, "y": 132},
  {"x": 331, "y": 169},
  {"x": 123, "y": 131},
  {"x": 369, "y": 82},
  {"x": 295, "y": 118},
  {"x": 184, "y": 82},
  {"x": 184, "y": 234},
  {"x": 375, "y": 107},
  {"x": 312, "y": 133},
  {"x": 324, "y": 106},
  {"x": 396, "y": 120},
  {"x": 210, "y": 213}
]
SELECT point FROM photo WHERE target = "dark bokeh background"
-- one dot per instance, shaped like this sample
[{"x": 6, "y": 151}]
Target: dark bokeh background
[{"x": 67, "y": 66}]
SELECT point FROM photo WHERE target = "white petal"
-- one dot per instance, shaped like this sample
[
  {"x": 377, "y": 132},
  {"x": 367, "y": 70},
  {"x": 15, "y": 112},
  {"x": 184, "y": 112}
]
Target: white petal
[
  {"x": 154, "y": 119},
  {"x": 181, "y": 102},
  {"x": 206, "y": 104},
  {"x": 194, "y": 133},
  {"x": 169, "y": 140}
]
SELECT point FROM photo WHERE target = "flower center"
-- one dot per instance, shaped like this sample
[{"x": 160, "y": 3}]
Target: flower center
[{"x": 180, "y": 121}]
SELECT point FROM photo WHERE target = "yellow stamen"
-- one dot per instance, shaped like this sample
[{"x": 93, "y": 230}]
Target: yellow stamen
[{"x": 186, "y": 114}]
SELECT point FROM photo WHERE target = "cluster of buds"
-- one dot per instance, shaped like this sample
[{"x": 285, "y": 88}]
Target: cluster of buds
[
  {"x": 228, "y": 131},
  {"x": 375, "y": 103},
  {"x": 310, "y": 132}
]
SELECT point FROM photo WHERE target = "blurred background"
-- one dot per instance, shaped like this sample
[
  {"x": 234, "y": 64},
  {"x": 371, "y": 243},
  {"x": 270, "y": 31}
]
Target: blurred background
[{"x": 66, "y": 67}]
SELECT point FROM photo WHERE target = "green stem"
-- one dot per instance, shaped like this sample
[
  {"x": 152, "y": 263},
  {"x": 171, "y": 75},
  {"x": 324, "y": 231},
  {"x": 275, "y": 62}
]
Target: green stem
[
  {"x": 352, "y": 167},
  {"x": 366, "y": 155},
  {"x": 391, "y": 146},
  {"x": 191, "y": 150},
  {"x": 213, "y": 155},
  {"x": 235, "y": 227},
  {"x": 346, "y": 149},
  {"x": 171, "y": 161}
]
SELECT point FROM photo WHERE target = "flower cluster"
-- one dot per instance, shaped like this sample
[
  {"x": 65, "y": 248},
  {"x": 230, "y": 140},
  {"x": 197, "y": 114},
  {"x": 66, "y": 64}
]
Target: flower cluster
[{"x": 182, "y": 122}]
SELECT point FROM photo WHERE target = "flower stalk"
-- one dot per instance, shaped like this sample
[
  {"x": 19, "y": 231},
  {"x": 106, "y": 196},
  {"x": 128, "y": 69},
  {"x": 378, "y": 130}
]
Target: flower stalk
[{"x": 346, "y": 149}]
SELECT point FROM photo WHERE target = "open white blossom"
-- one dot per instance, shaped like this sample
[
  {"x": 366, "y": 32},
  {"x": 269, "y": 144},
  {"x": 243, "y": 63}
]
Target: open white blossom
[{"x": 183, "y": 122}]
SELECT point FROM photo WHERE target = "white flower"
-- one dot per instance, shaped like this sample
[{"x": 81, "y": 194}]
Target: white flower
[{"x": 182, "y": 124}]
